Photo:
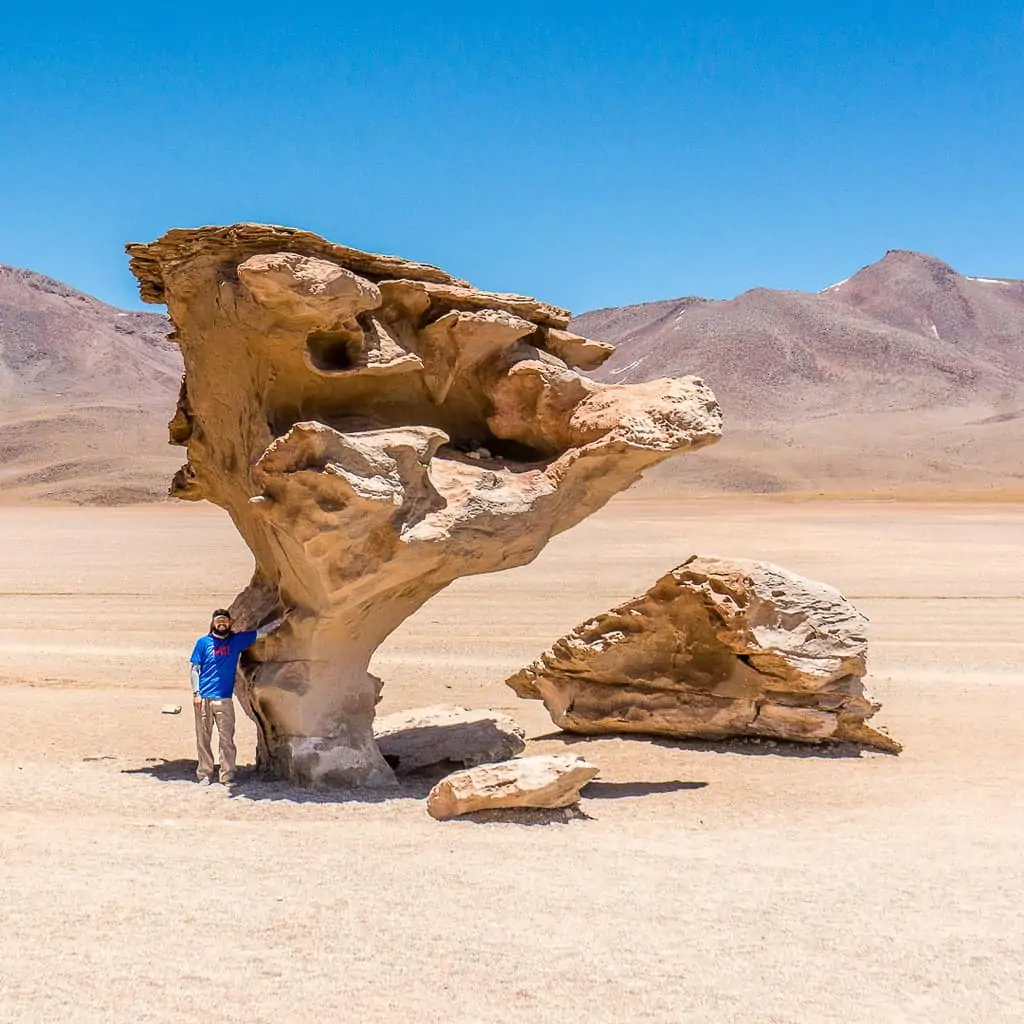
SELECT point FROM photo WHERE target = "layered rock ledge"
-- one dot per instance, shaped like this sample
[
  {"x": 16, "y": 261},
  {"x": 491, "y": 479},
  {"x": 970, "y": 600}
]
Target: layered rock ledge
[
  {"x": 377, "y": 428},
  {"x": 716, "y": 648}
]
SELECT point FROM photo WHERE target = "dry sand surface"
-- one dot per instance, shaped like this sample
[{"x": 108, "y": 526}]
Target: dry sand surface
[{"x": 744, "y": 882}]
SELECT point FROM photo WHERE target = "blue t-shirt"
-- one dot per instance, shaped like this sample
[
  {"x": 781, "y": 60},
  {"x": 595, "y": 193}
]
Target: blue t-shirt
[{"x": 217, "y": 660}]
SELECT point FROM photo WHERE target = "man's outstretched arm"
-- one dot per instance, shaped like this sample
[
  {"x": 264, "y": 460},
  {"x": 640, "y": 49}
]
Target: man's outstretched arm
[{"x": 250, "y": 636}]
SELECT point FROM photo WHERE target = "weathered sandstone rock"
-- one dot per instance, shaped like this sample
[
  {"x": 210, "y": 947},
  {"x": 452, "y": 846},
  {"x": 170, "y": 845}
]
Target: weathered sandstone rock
[
  {"x": 717, "y": 647},
  {"x": 546, "y": 780},
  {"x": 430, "y": 736},
  {"x": 376, "y": 429}
]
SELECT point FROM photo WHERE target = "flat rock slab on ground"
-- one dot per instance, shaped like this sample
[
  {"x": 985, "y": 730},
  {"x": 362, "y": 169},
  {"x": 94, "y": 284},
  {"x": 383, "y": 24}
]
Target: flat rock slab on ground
[
  {"x": 423, "y": 737},
  {"x": 545, "y": 780}
]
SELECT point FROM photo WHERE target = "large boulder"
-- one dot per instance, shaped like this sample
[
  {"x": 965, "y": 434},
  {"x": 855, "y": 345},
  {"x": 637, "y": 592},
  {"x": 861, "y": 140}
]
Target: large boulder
[
  {"x": 377, "y": 428},
  {"x": 424, "y": 737},
  {"x": 545, "y": 780},
  {"x": 716, "y": 648}
]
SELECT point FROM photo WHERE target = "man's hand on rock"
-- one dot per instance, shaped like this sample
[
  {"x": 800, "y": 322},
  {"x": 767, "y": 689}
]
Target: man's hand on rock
[{"x": 274, "y": 625}]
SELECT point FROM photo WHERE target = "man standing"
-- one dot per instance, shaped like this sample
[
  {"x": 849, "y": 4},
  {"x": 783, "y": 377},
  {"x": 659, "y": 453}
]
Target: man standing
[{"x": 214, "y": 661}]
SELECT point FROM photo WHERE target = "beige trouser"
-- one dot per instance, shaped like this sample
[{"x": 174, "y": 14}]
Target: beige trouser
[{"x": 208, "y": 711}]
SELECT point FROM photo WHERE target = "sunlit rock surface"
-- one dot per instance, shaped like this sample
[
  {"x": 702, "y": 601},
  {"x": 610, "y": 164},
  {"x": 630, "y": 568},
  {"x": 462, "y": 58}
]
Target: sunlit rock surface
[{"x": 716, "y": 648}]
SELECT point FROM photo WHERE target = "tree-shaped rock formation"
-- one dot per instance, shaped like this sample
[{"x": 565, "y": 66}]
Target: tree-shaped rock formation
[{"x": 376, "y": 429}]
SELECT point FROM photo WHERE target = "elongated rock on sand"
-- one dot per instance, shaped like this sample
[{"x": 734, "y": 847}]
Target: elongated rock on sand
[
  {"x": 545, "y": 781},
  {"x": 716, "y": 648},
  {"x": 423, "y": 737},
  {"x": 377, "y": 428}
]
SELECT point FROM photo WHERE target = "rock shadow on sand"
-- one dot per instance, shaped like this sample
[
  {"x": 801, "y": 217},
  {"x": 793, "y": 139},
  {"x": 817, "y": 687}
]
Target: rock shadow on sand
[
  {"x": 253, "y": 784},
  {"x": 750, "y": 746},
  {"x": 530, "y": 816},
  {"x": 599, "y": 790}
]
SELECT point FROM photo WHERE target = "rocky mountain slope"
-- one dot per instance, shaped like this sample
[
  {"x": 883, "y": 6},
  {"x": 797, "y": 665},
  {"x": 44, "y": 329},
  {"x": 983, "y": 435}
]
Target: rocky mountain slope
[
  {"x": 907, "y": 377},
  {"x": 85, "y": 393}
]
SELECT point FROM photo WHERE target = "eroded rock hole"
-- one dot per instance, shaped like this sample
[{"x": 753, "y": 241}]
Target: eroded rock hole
[
  {"x": 487, "y": 446},
  {"x": 329, "y": 351}
]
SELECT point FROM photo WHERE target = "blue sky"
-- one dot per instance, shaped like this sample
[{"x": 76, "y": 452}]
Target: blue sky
[{"x": 591, "y": 154}]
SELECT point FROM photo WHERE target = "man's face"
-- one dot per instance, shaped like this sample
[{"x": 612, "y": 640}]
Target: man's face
[{"x": 222, "y": 625}]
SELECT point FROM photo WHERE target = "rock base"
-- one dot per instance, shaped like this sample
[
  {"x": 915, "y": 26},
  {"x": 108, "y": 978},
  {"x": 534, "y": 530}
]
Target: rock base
[{"x": 323, "y": 762}]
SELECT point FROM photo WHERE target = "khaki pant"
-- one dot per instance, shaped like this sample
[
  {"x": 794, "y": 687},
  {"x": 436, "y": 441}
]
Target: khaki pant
[{"x": 208, "y": 711}]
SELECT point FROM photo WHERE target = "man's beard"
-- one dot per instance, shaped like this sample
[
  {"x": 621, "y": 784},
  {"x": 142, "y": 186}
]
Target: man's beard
[{"x": 220, "y": 634}]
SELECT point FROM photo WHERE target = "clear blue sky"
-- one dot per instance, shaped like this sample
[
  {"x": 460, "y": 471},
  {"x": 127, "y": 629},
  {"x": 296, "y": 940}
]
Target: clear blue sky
[{"x": 591, "y": 154}]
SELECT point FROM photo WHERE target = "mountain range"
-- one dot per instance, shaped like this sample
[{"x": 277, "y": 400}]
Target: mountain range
[
  {"x": 85, "y": 391},
  {"x": 905, "y": 379}
]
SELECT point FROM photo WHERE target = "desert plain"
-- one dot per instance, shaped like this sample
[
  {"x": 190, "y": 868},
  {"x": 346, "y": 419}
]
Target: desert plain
[{"x": 740, "y": 881}]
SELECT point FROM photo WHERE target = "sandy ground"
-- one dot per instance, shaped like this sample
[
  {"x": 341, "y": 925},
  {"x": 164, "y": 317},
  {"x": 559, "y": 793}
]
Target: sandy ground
[{"x": 744, "y": 882}]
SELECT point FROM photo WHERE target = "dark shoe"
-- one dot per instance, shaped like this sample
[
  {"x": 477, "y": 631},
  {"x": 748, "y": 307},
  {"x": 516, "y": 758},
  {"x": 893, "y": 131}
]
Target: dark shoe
[{"x": 226, "y": 780}]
